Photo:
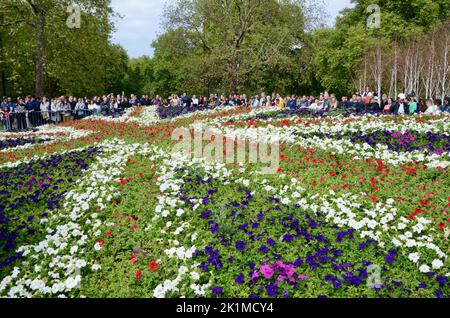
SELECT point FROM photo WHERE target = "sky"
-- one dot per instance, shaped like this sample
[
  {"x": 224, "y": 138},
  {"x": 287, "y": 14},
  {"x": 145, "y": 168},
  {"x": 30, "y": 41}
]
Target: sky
[{"x": 141, "y": 22}]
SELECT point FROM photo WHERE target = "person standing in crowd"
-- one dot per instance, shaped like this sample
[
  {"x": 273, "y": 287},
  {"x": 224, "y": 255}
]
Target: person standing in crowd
[
  {"x": 304, "y": 102},
  {"x": 45, "y": 108},
  {"x": 5, "y": 112},
  {"x": 400, "y": 107},
  {"x": 334, "y": 104},
  {"x": 374, "y": 105},
  {"x": 157, "y": 101},
  {"x": 21, "y": 114},
  {"x": 412, "y": 105},
  {"x": 358, "y": 104},
  {"x": 432, "y": 108},
  {"x": 72, "y": 103},
  {"x": 384, "y": 101},
  {"x": 344, "y": 104},
  {"x": 389, "y": 105},
  {"x": 446, "y": 106},
  {"x": 326, "y": 101},
  {"x": 195, "y": 102},
  {"x": 80, "y": 109},
  {"x": 186, "y": 101},
  {"x": 256, "y": 101},
  {"x": 422, "y": 105},
  {"x": 30, "y": 109}
]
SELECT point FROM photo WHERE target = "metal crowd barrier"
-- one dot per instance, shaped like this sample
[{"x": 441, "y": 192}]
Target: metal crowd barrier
[{"x": 20, "y": 121}]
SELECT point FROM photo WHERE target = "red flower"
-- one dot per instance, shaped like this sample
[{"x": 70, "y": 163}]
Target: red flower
[
  {"x": 122, "y": 181},
  {"x": 141, "y": 174},
  {"x": 374, "y": 199},
  {"x": 153, "y": 266},
  {"x": 413, "y": 215},
  {"x": 424, "y": 202},
  {"x": 133, "y": 259},
  {"x": 138, "y": 274},
  {"x": 108, "y": 233},
  {"x": 442, "y": 226},
  {"x": 332, "y": 173},
  {"x": 101, "y": 242}
]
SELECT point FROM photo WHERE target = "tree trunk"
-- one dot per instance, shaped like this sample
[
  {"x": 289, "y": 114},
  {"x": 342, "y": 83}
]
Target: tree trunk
[{"x": 40, "y": 53}]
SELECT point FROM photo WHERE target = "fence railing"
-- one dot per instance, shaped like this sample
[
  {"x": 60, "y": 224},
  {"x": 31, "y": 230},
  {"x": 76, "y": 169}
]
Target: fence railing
[{"x": 19, "y": 121}]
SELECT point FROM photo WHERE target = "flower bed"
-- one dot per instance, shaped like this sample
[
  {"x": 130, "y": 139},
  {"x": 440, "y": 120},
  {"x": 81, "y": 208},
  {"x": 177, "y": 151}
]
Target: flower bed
[{"x": 358, "y": 208}]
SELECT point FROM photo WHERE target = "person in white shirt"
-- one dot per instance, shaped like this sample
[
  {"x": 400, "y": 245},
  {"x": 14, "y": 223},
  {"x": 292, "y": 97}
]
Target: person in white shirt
[
  {"x": 432, "y": 109},
  {"x": 195, "y": 101},
  {"x": 45, "y": 107}
]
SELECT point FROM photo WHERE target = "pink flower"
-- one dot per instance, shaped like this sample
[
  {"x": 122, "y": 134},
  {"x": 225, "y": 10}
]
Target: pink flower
[
  {"x": 267, "y": 271},
  {"x": 278, "y": 265},
  {"x": 255, "y": 275}
]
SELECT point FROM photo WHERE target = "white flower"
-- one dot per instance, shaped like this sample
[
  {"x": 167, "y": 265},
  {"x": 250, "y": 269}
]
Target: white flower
[
  {"x": 437, "y": 264},
  {"x": 414, "y": 257},
  {"x": 96, "y": 267},
  {"x": 424, "y": 269},
  {"x": 195, "y": 276},
  {"x": 71, "y": 282},
  {"x": 97, "y": 246},
  {"x": 73, "y": 249}
]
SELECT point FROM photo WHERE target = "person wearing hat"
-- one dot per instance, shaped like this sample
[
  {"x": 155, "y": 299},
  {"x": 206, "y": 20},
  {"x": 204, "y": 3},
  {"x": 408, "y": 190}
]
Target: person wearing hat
[{"x": 400, "y": 107}]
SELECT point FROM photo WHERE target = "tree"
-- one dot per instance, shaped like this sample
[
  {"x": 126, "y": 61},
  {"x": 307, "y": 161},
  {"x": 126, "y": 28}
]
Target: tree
[
  {"x": 234, "y": 40},
  {"x": 44, "y": 24},
  {"x": 350, "y": 54}
]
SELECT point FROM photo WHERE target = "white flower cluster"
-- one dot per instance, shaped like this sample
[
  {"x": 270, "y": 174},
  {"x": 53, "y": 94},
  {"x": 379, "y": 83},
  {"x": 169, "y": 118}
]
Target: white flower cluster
[
  {"x": 54, "y": 133},
  {"x": 297, "y": 135},
  {"x": 58, "y": 258}
]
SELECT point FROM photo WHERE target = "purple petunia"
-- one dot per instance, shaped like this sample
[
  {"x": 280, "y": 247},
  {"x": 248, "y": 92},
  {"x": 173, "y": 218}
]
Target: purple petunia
[
  {"x": 240, "y": 279},
  {"x": 439, "y": 294},
  {"x": 272, "y": 290},
  {"x": 203, "y": 267},
  {"x": 270, "y": 242},
  {"x": 422, "y": 285},
  {"x": 241, "y": 245},
  {"x": 288, "y": 238},
  {"x": 442, "y": 280},
  {"x": 206, "y": 214},
  {"x": 264, "y": 249},
  {"x": 217, "y": 291},
  {"x": 214, "y": 228},
  {"x": 298, "y": 262},
  {"x": 336, "y": 282}
]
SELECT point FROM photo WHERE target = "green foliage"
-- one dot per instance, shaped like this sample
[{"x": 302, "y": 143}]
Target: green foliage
[
  {"x": 77, "y": 60},
  {"x": 338, "y": 51}
]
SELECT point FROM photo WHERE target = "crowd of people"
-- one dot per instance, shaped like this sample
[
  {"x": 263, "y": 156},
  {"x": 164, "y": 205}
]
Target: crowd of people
[{"x": 29, "y": 112}]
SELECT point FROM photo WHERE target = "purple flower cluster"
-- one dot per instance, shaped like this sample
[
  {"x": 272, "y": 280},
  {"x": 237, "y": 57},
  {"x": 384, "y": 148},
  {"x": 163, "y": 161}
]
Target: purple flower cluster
[
  {"x": 270, "y": 235},
  {"x": 12, "y": 143},
  {"x": 30, "y": 189}
]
